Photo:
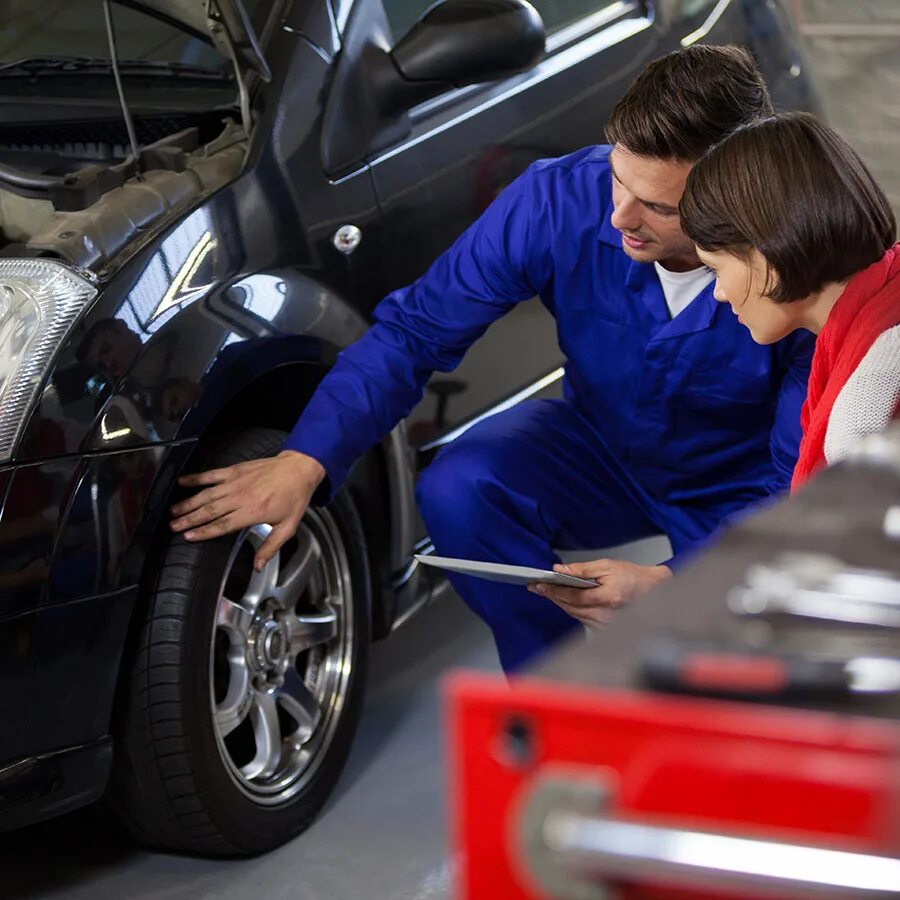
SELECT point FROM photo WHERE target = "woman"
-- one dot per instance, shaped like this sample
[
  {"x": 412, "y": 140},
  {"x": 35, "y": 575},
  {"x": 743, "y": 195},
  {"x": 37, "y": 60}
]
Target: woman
[{"x": 799, "y": 235}]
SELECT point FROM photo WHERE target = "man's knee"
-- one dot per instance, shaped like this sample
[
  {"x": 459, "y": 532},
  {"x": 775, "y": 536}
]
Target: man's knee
[{"x": 452, "y": 487}]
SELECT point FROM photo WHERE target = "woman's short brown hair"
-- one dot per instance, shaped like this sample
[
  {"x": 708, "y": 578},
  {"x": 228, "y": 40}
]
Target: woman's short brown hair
[
  {"x": 792, "y": 188},
  {"x": 688, "y": 100}
]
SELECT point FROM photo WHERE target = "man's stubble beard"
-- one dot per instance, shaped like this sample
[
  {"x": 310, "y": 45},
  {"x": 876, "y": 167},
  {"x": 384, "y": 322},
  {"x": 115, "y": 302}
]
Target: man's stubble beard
[{"x": 654, "y": 252}]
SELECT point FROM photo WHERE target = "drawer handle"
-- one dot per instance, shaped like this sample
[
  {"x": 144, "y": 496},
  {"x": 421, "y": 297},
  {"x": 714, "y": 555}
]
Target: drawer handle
[{"x": 572, "y": 851}]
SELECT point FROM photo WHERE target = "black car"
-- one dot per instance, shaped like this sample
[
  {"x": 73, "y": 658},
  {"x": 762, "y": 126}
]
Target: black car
[{"x": 174, "y": 311}]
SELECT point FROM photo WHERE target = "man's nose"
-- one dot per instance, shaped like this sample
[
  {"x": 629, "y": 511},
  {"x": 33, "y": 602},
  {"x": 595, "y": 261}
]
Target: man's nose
[{"x": 626, "y": 215}]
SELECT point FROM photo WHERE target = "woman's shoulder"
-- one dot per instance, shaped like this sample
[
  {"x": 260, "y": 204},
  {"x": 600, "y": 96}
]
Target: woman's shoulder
[
  {"x": 882, "y": 358},
  {"x": 869, "y": 398}
]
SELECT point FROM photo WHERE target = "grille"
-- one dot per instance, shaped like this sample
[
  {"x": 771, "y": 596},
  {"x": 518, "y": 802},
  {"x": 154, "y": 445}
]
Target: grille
[{"x": 103, "y": 139}]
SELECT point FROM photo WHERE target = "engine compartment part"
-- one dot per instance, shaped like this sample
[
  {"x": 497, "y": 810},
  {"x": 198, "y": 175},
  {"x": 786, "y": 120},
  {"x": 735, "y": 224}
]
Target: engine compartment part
[
  {"x": 21, "y": 217},
  {"x": 86, "y": 217}
]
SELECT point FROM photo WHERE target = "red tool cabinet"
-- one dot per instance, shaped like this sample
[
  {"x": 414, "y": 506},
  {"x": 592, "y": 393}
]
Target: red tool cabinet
[
  {"x": 540, "y": 756},
  {"x": 586, "y": 778}
]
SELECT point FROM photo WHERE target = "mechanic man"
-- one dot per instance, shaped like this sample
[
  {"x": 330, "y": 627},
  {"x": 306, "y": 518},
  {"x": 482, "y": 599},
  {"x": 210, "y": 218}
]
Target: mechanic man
[{"x": 672, "y": 417}]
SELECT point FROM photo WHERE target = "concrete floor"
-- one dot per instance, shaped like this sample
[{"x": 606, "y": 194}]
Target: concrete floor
[{"x": 384, "y": 827}]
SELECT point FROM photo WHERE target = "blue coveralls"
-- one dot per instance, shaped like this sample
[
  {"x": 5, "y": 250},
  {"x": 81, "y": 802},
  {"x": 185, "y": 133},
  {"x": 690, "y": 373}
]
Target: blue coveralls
[{"x": 667, "y": 425}]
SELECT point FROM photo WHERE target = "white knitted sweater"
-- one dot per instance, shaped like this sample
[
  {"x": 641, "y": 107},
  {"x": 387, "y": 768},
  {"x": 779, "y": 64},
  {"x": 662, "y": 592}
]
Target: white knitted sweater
[{"x": 868, "y": 399}]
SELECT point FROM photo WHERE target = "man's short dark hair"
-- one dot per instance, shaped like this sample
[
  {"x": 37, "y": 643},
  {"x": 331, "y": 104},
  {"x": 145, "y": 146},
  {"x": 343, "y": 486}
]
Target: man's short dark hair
[
  {"x": 792, "y": 188},
  {"x": 685, "y": 102}
]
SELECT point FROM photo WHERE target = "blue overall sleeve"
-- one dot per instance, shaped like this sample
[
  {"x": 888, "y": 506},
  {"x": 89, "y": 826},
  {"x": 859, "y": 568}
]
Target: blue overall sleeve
[
  {"x": 795, "y": 355},
  {"x": 426, "y": 327}
]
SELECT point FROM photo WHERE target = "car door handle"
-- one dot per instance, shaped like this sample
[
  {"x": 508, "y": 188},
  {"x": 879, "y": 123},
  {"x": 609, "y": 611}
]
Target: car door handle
[{"x": 572, "y": 850}]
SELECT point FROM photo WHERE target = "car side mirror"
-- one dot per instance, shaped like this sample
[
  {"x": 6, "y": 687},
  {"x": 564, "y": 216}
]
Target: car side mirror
[
  {"x": 461, "y": 42},
  {"x": 455, "y": 43}
]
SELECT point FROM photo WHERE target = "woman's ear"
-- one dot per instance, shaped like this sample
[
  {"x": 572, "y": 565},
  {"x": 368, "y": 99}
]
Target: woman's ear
[{"x": 764, "y": 278}]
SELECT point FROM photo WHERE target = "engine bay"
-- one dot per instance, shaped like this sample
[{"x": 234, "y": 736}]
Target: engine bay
[{"x": 73, "y": 191}]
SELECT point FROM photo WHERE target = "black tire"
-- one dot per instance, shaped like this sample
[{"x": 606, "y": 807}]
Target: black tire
[{"x": 178, "y": 781}]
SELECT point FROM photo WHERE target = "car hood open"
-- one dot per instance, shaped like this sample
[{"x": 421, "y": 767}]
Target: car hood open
[{"x": 225, "y": 21}]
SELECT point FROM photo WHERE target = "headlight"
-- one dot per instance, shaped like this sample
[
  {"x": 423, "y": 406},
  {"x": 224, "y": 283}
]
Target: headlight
[{"x": 40, "y": 299}]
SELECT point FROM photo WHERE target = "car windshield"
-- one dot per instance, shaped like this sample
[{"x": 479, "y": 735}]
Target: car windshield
[{"x": 52, "y": 31}]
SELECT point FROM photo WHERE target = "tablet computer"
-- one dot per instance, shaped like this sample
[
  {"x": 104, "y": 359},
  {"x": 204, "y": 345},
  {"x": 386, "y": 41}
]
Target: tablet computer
[{"x": 501, "y": 572}]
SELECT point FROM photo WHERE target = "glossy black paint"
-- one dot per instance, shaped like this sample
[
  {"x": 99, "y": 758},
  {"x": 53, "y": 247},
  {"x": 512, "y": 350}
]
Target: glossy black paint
[
  {"x": 41, "y": 787},
  {"x": 232, "y": 311}
]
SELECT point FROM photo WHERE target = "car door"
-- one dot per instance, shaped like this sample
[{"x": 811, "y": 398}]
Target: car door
[{"x": 466, "y": 145}]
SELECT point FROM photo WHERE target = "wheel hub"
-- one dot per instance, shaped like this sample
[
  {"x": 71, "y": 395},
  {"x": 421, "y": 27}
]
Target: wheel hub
[
  {"x": 274, "y": 646},
  {"x": 268, "y": 647}
]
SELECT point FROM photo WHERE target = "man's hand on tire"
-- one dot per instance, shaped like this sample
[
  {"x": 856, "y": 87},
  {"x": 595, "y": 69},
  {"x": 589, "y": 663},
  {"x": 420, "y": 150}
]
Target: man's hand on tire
[{"x": 275, "y": 490}]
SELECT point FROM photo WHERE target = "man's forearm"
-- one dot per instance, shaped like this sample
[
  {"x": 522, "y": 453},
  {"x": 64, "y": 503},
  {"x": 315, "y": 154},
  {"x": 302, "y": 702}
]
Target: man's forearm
[{"x": 353, "y": 408}]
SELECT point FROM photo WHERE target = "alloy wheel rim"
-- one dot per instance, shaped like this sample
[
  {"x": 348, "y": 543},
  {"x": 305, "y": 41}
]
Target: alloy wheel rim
[{"x": 281, "y": 658}]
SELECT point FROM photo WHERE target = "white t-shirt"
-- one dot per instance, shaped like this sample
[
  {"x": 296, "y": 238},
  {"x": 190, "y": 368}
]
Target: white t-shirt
[{"x": 681, "y": 287}]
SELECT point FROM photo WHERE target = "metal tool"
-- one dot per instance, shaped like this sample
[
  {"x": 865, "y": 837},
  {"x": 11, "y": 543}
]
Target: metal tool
[
  {"x": 669, "y": 663},
  {"x": 819, "y": 587}
]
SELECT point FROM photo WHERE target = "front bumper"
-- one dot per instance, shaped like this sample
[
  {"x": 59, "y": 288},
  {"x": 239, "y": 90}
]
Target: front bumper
[
  {"x": 74, "y": 535},
  {"x": 45, "y": 786}
]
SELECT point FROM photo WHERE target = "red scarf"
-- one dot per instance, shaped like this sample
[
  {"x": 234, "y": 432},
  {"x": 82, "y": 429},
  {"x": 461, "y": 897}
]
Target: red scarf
[{"x": 869, "y": 306}]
